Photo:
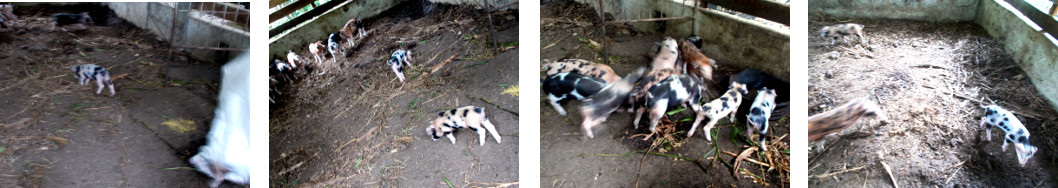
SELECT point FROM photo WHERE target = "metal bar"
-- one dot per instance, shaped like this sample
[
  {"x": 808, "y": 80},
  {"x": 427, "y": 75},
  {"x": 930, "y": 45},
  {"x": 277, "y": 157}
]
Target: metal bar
[
  {"x": 492, "y": 29},
  {"x": 602, "y": 18},
  {"x": 306, "y": 16},
  {"x": 1046, "y": 22},
  {"x": 212, "y": 48},
  {"x": 172, "y": 29},
  {"x": 649, "y": 20}
]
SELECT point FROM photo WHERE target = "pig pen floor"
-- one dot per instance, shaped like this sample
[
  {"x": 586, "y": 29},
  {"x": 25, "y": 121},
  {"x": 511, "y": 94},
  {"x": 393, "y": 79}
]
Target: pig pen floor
[
  {"x": 56, "y": 133},
  {"x": 930, "y": 79},
  {"x": 613, "y": 157},
  {"x": 358, "y": 126}
]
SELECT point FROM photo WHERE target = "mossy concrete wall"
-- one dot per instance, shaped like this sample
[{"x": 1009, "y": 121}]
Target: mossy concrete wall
[
  {"x": 925, "y": 10},
  {"x": 1036, "y": 52},
  {"x": 742, "y": 43}
]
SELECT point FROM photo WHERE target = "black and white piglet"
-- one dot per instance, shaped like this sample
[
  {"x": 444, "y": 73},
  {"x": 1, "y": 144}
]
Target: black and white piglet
[
  {"x": 471, "y": 117},
  {"x": 74, "y": 20},
  {"x": 674, "y": 90},
  {"x": 720, "y": 107},
  {"x": 88, "y": 72},
  {"x": 842, "y": 31},
  {"x": 759, "y": 114},
  {"x": 573, "y": 85},
  {"x": 1016, "y": 132},
  {"x": 334, "y": 47},
  {"x": 611, "y": 98},
  {"x": 397, "y": 62}
]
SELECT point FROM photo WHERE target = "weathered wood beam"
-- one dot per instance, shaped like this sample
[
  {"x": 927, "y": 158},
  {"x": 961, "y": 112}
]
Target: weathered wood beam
[{"x": 287, "y": 10}]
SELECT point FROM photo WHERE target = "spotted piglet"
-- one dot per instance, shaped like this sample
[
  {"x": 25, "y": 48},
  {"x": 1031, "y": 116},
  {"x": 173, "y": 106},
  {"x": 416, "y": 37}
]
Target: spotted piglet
[
  {"x": 759, "y": 114},
  {"x": 1016, "y": 132},
  {"x": 666, "y": 56},
  {"x": 397, "y": 62},
  {"x": 720, "y": 107},
  {"x": 88, "y": 72},
  {"x": 334, "y": 47},
  {"x": 353, "y": 29},
  {"x": 675, "y": 90},
  {"x": 842, "y": 31},
  {"x": 580, "y": 66},
  {"x": 837, "y": 119},
  {"x": 8, "y": 15},
  {"x": 75, "y": 20},
  {"x": 599, "y": 106},
  {"x": 465, "y": 117},
  {"x": 568, "y": 85}
]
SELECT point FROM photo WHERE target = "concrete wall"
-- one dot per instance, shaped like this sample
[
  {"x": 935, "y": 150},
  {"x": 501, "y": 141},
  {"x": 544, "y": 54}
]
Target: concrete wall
[
  {"x": 925, "y": 10},
  {"x": 191, "y": 28},
  {"x": 742, "y": 43},
  {"x": 1034, "y": 51},
  {"x": 479, "y": 4},
  {"x": 319, "y": 28}
]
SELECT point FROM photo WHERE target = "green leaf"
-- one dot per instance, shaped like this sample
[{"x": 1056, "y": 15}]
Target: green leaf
[{"x": 678, "y": 110}]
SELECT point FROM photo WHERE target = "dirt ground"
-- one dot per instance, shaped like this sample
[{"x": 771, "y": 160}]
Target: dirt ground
[
  {"x": 613, "y": 157},
  {"x": 358, "y": 126},
  {"x": 55, "y": 133},
  {"x": 930, "y": 79}
]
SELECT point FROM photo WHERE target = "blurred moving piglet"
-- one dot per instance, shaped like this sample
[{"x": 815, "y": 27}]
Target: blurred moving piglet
[
  {"x": 227, "y": 151},
  {"x": 76, "y": 21}
]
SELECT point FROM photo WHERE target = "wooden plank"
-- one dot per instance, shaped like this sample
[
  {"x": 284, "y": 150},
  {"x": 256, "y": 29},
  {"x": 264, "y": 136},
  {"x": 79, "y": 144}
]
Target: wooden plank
[
  {"x": 319, "y": 10},
  {"x": 1048, "y": 23},
  {"x": 274, "y": 3},
  {"x": 768, "y": 10},
  {"x": 287, "y": 10},
  {"x": 650, "y": 20}
]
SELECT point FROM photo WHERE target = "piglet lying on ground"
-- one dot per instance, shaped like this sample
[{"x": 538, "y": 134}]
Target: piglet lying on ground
[
  {"x": 1016, "y": 133},
  {"x": 76, "y": 21},
  {"x": 227, "y": 151},
  {"x": 88, "y": 72}
]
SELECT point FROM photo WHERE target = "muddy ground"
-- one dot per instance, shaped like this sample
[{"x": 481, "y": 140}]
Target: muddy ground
[
  {"x": 613, "y": 157},
  {"x": 930, "y": 78},
  {"x": 56, "y": 133},
  {"x": 358, "y": 126}
]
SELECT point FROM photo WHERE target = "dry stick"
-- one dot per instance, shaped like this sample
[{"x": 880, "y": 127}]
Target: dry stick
[
  {"x": 640, "y": 170},
  {"x": 828, "y": 175},
  {"x": 442, "y": 64},
  {"x": 747, "y": 159},
  {"x": 740, "y": 158},
  {"x": 887, "y": 170}
]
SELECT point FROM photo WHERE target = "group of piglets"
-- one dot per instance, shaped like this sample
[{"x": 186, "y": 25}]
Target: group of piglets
[
  {"x": 337, "y": 44},
  {"x": 849, "y": 114},
  {"x": 678, "y": 76}
]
